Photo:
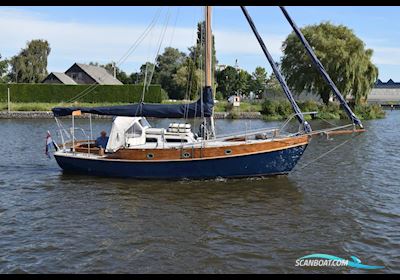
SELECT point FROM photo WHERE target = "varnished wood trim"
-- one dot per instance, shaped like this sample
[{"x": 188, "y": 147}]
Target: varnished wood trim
[
  {"x": 301, "y": 140},
  {"x": 209, "y": 152}
]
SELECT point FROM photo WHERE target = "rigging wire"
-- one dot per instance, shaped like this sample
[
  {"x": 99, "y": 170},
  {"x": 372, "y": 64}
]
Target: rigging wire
[
  {"x": 329, "y": 151},
  {"x": 202, "y": 67},
  {"x": 144, "y": 34},
  {"x": 146, "y": 68},
  {"x": 173, "y": 30},
  {"x": 159, "y": 48},
  {"x": 146, "y": 82},
  {"x": 190, "y": 77},
  {"x": 93, "y": 86},
  {"x": 133, "y": 47}
]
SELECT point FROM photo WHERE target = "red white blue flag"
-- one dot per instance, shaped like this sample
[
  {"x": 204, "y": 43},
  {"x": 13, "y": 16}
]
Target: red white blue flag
[{"x": 49, "y": 143}]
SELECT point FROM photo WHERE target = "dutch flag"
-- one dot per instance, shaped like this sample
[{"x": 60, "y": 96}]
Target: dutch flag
[{"x": 49, "y": 144}]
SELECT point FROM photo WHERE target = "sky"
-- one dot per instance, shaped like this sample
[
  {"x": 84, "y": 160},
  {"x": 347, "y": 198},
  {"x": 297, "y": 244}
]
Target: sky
[{"x": 104, "y": 34}]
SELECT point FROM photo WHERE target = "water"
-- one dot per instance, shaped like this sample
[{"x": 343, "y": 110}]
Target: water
[{"x": 346, "y": 204}]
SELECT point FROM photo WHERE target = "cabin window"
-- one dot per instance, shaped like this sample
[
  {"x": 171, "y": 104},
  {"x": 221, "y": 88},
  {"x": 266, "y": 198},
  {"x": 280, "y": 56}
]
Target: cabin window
[
  {"x": 151, "y": 140},
  {"x": 171, "y": 140},
  {"x": 186, "y": 155},
  {"x": 228, "y": 152},
  {"x": 135, "y": 130},
  {"x": 150, "y": 156},
  {"x": 144, "y": 122}
]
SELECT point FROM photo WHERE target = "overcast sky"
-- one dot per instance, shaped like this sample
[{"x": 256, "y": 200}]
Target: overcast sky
[{"x": 104, "y": 34}]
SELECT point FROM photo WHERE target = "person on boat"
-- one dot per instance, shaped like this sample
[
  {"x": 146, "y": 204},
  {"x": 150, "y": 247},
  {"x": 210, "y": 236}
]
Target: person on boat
[{"x": 101, "y": 142}]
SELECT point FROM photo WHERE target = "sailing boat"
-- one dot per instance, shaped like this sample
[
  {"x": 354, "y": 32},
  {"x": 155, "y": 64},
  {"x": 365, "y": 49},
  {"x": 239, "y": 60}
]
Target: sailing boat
[{"x": 137, "y": 150}]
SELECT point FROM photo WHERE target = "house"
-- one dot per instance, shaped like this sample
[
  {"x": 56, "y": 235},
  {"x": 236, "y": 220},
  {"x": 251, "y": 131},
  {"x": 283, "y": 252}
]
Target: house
[
  {"x": 221, "y": 67},
  {"x": 384, "y": 93},
  {"x": 234, "y": 100},
  {"x": 82, "y": 74},
  {"x": 58, "y": 78}
]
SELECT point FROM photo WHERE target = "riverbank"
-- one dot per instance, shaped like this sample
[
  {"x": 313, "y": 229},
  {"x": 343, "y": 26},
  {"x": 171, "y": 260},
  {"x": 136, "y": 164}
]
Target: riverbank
[
  {"x": 128, "y": 226},
  {"x": 49, "y": 115},
  {"x": 272, "y": 110}
]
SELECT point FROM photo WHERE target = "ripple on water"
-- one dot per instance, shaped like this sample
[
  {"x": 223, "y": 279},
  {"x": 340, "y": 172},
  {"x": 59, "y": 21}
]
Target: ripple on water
[{"x": 344, "y": 204}]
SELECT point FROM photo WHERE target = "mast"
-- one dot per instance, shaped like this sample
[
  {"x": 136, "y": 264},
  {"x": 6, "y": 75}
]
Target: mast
[
  {"x": 321, "y": 69},
  {"x": 208, "y": 47},
  {"x": 286, "y": 90},
  {"x": 208, "y": 70}
]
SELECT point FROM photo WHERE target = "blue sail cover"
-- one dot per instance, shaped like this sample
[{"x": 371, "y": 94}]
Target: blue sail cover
[{"x": 199, "y": 108}]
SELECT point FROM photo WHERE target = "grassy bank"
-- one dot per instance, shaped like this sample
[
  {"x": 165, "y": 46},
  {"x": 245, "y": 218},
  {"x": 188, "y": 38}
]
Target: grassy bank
[
  {"x": 39, "y": 106},
  {"x": 271, "y": 110}
]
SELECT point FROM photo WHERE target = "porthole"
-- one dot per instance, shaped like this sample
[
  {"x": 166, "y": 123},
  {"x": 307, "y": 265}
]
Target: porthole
[
  {"x": 150, "y": 156},
  {"x": 186, "y": 155},
  {"x": 228, "y": 152}
]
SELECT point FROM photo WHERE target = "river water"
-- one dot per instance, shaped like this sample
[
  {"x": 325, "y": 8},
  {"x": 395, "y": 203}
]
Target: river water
[{"x": 345, "y": 204}]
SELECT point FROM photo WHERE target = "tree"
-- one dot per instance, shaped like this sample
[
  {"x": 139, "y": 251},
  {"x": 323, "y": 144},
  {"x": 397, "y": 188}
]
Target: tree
[
  {"x": 167, "y": 65},
  {"x": 146, "y": 70},
  {"x": 233, "y": 81},
  {"x": 3, "y": 70},
  {"x": 197, "y": 52},
  {"x": 188, "y": 78},
  {"x": 341, "y": 52},
  {"x": 134, "y": 78},
  {"x": 258, "y": 80},
  {"x": 242, "y": 83},
  {"x": 30, "y": 65},
  {"x": 119, "y": 74},
  {"x": 273, "y": 87},
  {"x": 226, "y": 81}
]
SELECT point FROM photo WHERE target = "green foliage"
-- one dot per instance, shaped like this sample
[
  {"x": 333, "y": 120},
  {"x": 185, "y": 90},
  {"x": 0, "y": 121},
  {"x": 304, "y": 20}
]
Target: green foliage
[
  {"x": 242, "y": 82},
  {"x": 226, "y": 81},
  {"x": 268, "y": 107},
  {"x": 225, "y": 106},
  {"x": 63, "y": 93},
  {"x": 30, "y": 65},
  {"x": 258, "y": 81},
  {"x": 309, "y": 106},
  {"x": 119, "y": 74},
  {"x": 219, "y": 96},
  {"x": 343, "y": 55},
  {"x": 167, "y": 65},
  {"x": 281, "y": 109},
  {"x": 3, "y": 70},
  {"x": 196, "y": 53},
  {"x": 273, "y": 87},
  {"x": 188, "y": 79},
  {"x": 368, "y": 112},
  {"x": 234, "y": 114},
  {"x": 164, "y": 95},
  {"x": 284, "y": 109},
  {"x": 232, "y": 81},
  {"x": 35, "y": 106}
]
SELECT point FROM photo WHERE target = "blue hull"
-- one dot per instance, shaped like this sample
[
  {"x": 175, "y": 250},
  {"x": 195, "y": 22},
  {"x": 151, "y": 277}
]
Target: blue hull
[{"x": 261, "y": 164}]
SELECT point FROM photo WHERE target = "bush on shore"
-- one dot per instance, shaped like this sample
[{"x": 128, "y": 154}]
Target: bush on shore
[
  {"x": 55, "y": 93},
  {"x": 270, "y": 109},
  {"x": 281, "y": 109}
]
